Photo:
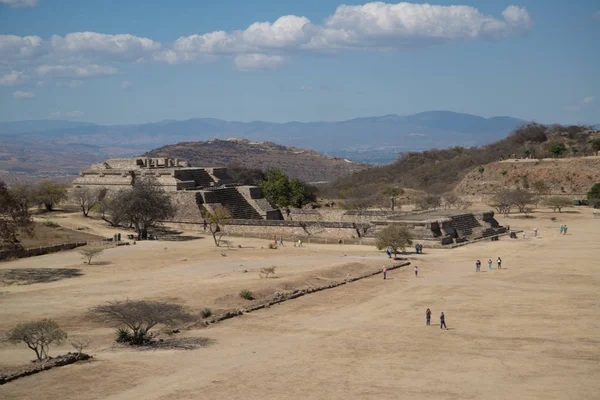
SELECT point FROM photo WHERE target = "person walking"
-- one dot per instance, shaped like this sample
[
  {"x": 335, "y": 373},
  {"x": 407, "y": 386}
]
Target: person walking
[
  {"x": 416, "y": 271},
  {"x": 490, "y": 264},
  {"x": 417, "y": 248},
  {"x": 428, "y": 317},
  {"x": 443, "y": 321},
  {"x": 594, "y": 214},
  {"x": 281, "y": 240},
  {"x": 565, "y": 229},
  {"x": 420, "y": 248},
  {"x": 477, "y": 266},
  {"x": 499, "y": 261},
  {"x": 389, "y": 253},
  {"x": 384, "y": 272},
  {"x": 523, "y": 234},
  {"x": 534, "y": 232},
  {"x": 561, "y": 228},
  {"x": 275, "y": 240}
]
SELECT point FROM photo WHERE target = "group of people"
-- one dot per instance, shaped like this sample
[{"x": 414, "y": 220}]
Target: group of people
[
  {"x": 442, "y": 319},
  {"x": 478, "y": 264},
  {"x": 563, "y": 229},
  {"x": 297, "y": 243},
  {"x": 419, "y": 248}
]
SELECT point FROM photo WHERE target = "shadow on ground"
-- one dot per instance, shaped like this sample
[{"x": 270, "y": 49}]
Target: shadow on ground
[{"x": 28, "y": 276}]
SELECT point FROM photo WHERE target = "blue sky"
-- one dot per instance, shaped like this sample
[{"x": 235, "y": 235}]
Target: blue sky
[{"x": 135, "y": 61}]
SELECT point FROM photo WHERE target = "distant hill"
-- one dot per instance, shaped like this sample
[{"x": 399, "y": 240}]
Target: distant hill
[
  {"x": 439, "y": 171},
  {"x": 304, "y": 164},
  {"x": 55, "y": 148}
]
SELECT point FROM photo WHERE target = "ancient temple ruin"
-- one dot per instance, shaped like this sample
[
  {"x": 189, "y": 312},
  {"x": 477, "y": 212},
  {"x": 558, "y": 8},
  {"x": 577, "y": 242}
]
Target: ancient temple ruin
[{"x": 195, "y": 189}]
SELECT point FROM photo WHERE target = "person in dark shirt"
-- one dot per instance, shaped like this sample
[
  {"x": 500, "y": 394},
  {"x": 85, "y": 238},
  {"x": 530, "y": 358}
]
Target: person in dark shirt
[
  {"x": 443, "y": 321},
  {"x": 428, "y": 317}
]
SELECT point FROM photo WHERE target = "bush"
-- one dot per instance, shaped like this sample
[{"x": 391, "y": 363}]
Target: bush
[
  {"x": 272, "y": 246},
  {"x": 51, "y": 224},
  {"x": 123, "y": 335},
  {"x": 594, "y": 192},
  {"x": 267, "y": 271},
  {"x": 247, "y": 294},
  {"x": 207, "y": 312},
  {"x": 504, "y": 172},
  {"x": 481, "y": 169}
]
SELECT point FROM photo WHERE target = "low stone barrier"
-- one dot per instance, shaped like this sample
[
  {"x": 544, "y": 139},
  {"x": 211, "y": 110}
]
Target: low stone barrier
[
  {"x": 59, "y": 361},
  {"x": 278, "y": 298},
  {"x": 38, "y": 251}
]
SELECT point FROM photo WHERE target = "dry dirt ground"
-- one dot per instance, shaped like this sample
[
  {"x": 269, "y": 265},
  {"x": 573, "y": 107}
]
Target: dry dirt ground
[{"x": 528, "y": 331}]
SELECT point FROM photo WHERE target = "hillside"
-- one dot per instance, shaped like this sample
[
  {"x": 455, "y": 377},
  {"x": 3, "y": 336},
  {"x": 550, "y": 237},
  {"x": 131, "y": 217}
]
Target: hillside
[
  {"x": 569, "y": 176},
  {"x": 439, "y": 171},
  {"x": 304, "y": 164}
]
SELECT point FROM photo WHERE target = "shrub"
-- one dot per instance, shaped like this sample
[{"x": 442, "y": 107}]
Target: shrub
[
  {"x": 207, "y": 312},
  {"x": 272, "y": 246},
  {"x": 51, "y": 224},
  {"x": 481, "y": 169},
  {"x": 247, "y": 294},
  {"x": 267, "y": 271},
  {"x": 504, "y": 172},
  {"x": 123, "y": 335},
  {"x": 79, "y": 344},
  {"x": 90, "y": 253}
]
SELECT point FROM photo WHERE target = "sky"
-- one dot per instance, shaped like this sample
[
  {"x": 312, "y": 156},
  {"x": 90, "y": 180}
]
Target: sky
[{"x": 134, "y": 61}]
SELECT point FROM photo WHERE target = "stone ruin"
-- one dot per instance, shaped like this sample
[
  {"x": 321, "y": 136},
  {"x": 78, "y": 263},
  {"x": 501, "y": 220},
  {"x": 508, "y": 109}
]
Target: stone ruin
[{"x": 194, "y": 189}]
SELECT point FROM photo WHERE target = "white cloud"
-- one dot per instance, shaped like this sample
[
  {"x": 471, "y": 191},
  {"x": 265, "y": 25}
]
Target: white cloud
[
  {"x": 56, "y": 114},
  {"x": 19, "y": 47},
  {"x": 589, "y": 99},
  {"x": 78, "y": 71},
  {"x": 20, "y": 3},
  {"x": 126, "y": 85},
  {"x": 19, "y": 95},
  {"x": 122, "y": 47},
  {"x": 73, "y": 83},
  {"x": 247, "y": 62},
  {"x": 74, "y": 114},
  {"x": 581, "y": 104},
  {"x": 12, "y": 78}
]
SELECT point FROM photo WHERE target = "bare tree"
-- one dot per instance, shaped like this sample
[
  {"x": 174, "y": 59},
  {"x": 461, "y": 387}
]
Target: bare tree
[
  {"x": 539, "y": 188},
  {"x": 522, "y": 199},
  {"x": 502, "y": 202},
  {"x": 14, "y": 217},
  {"x": 393, "y": 192},
  {"x": 428, "y": 202},
  {"x": 557, "y": 203},
  {"x": 38, "y": 336},
  {"x": 216, "y": 220},
  {"x": 79, "y": 344},
  {"x": 267, "y": 271},
  {"x": 86, "y": 198},
  {"x": 141, "y": 316},
  {"x": 394, "y": 236},
  {"x": 89, "y": 253}
]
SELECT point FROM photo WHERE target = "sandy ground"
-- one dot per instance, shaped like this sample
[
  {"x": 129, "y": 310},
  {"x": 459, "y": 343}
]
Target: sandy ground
[{"x": 527, "y": 331}]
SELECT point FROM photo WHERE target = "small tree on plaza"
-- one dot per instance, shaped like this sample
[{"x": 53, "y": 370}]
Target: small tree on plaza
[
  {"x": 557, "y": 203},
  {"x": 216, "y": 220},
  {"x": 394, "y": 236},
  {"x": 38, "y": 336}
]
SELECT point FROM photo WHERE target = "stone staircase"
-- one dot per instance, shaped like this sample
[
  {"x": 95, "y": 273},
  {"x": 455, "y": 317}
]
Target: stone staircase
[
  {"x": 467, "y": 226},
  {"x": 231, "y": 199},
  {"x": 201, "y": 178}
]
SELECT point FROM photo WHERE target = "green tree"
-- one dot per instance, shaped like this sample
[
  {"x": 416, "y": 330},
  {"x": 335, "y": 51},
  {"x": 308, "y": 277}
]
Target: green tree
[
  {"x": 394, "y": 236},
  {"x": 14, "y": 217},
  {"x": 557, "y": 149},
  {"x": 38, "y": 336},
  {"x": 49, "y": 194},
  {"x": 595, "y": 145},
  {"x": 594, "y": 192},
  {"x": 283, "y": 192}
]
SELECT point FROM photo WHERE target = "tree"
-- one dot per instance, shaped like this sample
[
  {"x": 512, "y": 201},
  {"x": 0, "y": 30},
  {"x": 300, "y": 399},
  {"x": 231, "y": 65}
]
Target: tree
[
  {"x": 86, "y": 198},
  {"x": 112, "y": 209},
  {"x": 557, "y": 149},
  {"x": 144, "y": 205},
  {"x": 522, "y": 199},
  {"x": 393, "y": 192},
  {"x": 428, "y": 202},
  {"x": 216, "y": 220},
  {"x": 595, "y": 145},
  {"x": 283, "y": 192},
  {"x": 540, "y": 188},
  {"x": 141, "y": 316},
  {"x": 90, "y": 253},
  {"x": 594, "y": 192},
  {"x": 49, "y": 194},
  {"x": 79, "y": 344},
  {"x": 502, "y": 202},
  {"x": 38, "y": 336},
  {"x": 394, "y": 236},
  {"x": 14, "y": 217},
  {"x": 557, "y": 203}
]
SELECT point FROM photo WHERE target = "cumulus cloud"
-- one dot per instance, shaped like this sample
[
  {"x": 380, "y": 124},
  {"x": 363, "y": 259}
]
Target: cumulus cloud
[
  {"x": 589, "y": 99},
  {"x": 372, "y": 26},
  {"x": 247, "y": 62},
  {"x": 79, "y": 71},
  {"x": 74, "y": 114},
  {"x": 20, "y": 3},
  {"x": 12, "y": 78},
  {"x": 126, "y": 85},
  {"x": 19, "y": 95}
]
